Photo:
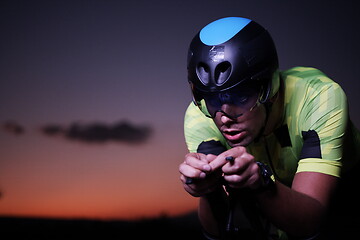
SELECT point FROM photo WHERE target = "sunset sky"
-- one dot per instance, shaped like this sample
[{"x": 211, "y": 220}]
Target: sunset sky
[{"x": 93, "y": 94}]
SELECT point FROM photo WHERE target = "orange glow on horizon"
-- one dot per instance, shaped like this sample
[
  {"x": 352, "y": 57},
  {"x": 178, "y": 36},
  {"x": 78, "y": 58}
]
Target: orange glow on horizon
[
  {"x": 83, "y": 211},
  {"x": 55, "y": 179}
]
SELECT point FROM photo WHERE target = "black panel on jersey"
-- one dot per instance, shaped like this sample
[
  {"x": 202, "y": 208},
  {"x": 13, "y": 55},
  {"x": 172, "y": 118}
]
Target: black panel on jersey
[
  {"x": 311, "y": 147},
  {"x": 211, "y": 147}
]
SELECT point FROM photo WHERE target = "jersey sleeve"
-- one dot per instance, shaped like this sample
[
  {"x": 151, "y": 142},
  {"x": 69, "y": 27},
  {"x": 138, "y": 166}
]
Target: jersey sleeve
[
  {"x": 199, "y": 129},
  {"x": 322, "y": 127}
]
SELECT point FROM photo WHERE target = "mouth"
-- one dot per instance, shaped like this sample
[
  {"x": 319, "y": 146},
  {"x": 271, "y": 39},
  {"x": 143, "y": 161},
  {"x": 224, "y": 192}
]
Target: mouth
[{"x": 234, "y": 135}]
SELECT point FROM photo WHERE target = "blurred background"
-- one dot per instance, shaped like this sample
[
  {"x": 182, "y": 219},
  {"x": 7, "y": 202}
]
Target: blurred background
[{"x": 93, "y": 94}]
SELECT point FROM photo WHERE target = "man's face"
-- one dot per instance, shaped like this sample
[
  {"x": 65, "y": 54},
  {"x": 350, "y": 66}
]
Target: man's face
[{"x": 242, "y": 130}]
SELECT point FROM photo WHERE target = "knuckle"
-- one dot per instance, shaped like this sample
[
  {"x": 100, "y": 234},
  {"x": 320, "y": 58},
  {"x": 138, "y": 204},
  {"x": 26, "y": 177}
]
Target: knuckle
[
  {"x": 240, "y": 148},
  {"x": 181, "y": 168},
  {"x": 192, "y": 173},
  {"x": 255, "y": 168},
  {"x": 191, "y": 155},
  {"x": 233, "y": 178},
  {"x": 251, "y": 158},
  {"x": 236, "y": 167}
]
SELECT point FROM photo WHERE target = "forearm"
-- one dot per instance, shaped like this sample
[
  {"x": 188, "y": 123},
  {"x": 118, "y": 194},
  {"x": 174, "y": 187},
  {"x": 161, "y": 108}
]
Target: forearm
[
  {"x": 206, "y": 217},
  {"x": 293, "y": 212},
  {"x": 212, "y": 211}
]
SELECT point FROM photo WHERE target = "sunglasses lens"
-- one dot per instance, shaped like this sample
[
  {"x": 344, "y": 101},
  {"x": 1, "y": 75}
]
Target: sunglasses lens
[{"x": 234, "y": 102}]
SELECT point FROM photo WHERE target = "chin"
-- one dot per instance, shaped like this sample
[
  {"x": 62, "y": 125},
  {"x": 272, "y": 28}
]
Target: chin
[{"x": 243, "y": 143}]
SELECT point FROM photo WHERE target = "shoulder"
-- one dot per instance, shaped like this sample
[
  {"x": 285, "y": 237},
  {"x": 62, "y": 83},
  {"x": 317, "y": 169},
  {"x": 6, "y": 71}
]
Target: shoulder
[
  {"x": 317, "y": 116},
  {"x": 194, "y": 117},
  {"x": 199, "y": 128},
  {"x": 307, "y": 77},
  {"x": 311, "y": 87},
  {"x": 302, "y": 72}
]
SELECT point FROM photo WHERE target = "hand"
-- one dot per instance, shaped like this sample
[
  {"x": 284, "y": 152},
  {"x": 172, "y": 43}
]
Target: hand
[
  {"x": 196, "y": 166},
  {"x": 242, "y": 172}
]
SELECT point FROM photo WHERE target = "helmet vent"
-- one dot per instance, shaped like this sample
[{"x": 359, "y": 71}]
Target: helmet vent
[
  {"x": 222, "y": 72},
  {"x": 203, "y": 72}
]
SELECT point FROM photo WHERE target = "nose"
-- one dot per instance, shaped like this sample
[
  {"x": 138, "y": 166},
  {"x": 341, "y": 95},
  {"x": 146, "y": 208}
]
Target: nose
[
  {"x": 230, "y": 113},
  {"x": 226, "y": 119}
]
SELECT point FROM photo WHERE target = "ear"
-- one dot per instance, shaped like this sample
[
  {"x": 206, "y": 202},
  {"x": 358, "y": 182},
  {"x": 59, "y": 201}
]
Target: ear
[
  {"x": 278, "y": 93},
  {"x": 273, "y": 98}
]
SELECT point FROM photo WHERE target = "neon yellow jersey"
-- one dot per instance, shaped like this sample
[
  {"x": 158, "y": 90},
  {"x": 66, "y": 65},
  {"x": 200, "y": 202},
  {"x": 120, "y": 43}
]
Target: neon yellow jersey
[{"x": 316, "y": 134}]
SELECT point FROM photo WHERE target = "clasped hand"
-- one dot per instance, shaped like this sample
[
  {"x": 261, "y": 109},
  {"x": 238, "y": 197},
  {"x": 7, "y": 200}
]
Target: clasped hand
[{"x": 209, "y": 171}]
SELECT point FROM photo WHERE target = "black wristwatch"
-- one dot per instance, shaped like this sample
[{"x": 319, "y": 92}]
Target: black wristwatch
[{"x": 266, "y": 174}]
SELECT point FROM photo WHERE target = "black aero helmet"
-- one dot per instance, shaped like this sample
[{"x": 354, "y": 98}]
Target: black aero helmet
[{"x": 228, "y": 57}]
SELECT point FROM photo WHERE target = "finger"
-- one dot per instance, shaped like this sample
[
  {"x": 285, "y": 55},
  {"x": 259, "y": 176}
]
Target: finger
[
  {"x": 239, "y": 181},
  {"x": 182, "y": 178},
  {"x": 235, "y": 181},
  {"x": 197, "y": 189},
  {"x": 187, "y": 186},
  {"x": 186, "y": 180},
  {"x": 218, "y": 162},
  {"x": 225, "y": 157},
  {"x": 238, "y": 166},
  {"x": 189, "y": 171},
  {"x": 201, "y": 164},
  {"x": 249, "y": 178},
  {"x": 199, "y": 156},
  {"x": 210, "y": 157}
]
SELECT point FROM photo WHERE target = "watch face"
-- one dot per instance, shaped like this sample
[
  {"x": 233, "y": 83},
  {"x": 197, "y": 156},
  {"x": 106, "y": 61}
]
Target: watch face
[{"x": 265, "y": 172}]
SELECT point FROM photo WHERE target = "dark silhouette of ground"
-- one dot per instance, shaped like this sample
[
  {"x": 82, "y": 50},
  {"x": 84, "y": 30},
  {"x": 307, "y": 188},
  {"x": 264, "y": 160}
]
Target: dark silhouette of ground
[{"x": 182, "y": 227}]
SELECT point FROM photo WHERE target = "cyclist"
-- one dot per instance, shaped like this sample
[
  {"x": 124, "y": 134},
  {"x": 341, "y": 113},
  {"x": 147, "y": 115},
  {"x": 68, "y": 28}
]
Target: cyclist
[{"x": 271, "y": 153}]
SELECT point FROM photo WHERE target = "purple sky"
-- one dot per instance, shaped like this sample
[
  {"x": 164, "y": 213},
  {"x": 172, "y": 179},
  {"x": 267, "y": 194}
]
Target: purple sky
[{"x": 77, "y": 63}]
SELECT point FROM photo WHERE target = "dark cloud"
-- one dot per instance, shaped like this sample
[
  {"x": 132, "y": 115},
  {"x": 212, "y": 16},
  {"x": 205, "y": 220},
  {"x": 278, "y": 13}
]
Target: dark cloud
[
  {"x": 13, "y": 127},
  {"x": 100, "y": 132},
  {"x": 51, "y": 130}
]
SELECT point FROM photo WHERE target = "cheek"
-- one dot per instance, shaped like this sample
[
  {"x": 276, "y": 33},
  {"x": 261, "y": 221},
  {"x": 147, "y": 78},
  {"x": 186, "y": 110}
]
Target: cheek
[
  {"x": 217, "y": 121},
  {"x": 257, "y": 120}
]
